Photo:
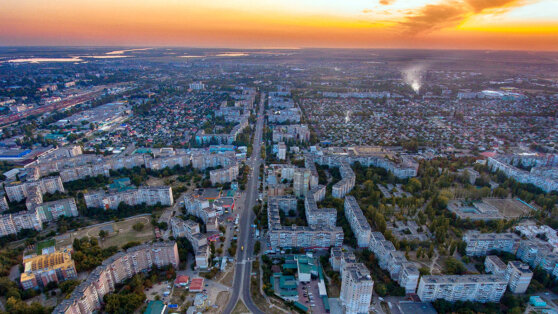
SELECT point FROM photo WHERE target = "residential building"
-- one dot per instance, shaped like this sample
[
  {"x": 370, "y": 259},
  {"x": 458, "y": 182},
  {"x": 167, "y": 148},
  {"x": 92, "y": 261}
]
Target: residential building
[
  {"x": 144, "y": 195},
  {"x": 479, "y": 244},
  {"x": 519, "y": 276},
  {"x": 224, "y": 175},
  {"x": 408, "y": 277},
  {"x": 494, "y": 265},
  {"x": 359, "y": 223},
  {"x": 17, "y": 191},
  {"x": 42, "y": 269},
  {"x": 87, "y": 297},
  {"x": 356, "y": 288},
  {"x": 474, "y": 288},
  {"x": 50, "y": 211},
  {"x": 281, "y": 151}
]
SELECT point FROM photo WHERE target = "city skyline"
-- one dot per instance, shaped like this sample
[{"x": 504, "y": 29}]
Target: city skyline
[{"x": 454, "y": 24}]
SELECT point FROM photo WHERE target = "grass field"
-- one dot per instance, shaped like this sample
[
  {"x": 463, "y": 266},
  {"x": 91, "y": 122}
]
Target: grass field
[
  {"x": 509, "y": 207},
  {"x": 45, "y": 244},
  {"x": 120, "y": 233}
]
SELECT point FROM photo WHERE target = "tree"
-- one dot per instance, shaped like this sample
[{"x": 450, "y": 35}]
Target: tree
[
  {"x": 257, "y": 247},
  {"x": 103, "y": 234},
  {"x": 138, "y": 226},
  {"x": 454, "y": 267}
]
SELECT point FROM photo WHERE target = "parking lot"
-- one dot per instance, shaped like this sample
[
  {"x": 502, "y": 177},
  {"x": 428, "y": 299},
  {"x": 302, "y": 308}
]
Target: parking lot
[
  {"x": 159, "y": 289},
  {"x": 309, "y": 296}
]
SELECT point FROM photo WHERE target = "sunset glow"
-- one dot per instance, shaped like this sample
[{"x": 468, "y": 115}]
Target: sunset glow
[{"x": 473, "y": 24}]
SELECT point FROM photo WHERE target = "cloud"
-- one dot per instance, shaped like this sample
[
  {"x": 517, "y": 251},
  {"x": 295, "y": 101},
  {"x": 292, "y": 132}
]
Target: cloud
[
  {"x": 366, "y": 11},
  {"x": 480, "y": 5},
  {"x": 432, "y": 17},
  {"x": 387, "y": 2}
]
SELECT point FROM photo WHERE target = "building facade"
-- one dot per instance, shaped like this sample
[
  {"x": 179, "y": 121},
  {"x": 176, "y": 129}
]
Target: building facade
[
  {"x": 356, "y": 288},
  {"x": 88, "y": 296}
]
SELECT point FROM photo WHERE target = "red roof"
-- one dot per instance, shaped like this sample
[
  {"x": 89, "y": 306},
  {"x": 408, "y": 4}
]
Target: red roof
[
  {"x": 181, "y": 279},
  {"x": 196, "y": 284},
  {"x": 488, "y": 154}
]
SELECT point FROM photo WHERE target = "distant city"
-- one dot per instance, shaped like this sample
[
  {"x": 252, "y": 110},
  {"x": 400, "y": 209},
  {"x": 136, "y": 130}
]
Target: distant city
[{"x": 174, "y": 180}]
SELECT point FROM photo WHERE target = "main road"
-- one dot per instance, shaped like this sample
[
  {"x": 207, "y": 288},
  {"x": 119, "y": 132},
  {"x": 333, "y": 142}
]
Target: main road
[{"x": 243, "y": 265}]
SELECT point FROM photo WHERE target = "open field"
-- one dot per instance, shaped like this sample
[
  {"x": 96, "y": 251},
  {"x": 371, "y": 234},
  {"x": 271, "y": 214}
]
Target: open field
[
  {"x": 45, "y": 244},
  {"x": 509, "y": 207},
  {"x": 120, "y": 233}
]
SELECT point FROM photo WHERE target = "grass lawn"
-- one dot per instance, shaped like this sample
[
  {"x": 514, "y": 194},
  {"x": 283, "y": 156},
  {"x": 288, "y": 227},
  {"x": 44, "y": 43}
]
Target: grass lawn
[
  {"x": 45, "y": 244},
  {"x": 240, "y": 308},
  {"x": 120, "y": 233}
]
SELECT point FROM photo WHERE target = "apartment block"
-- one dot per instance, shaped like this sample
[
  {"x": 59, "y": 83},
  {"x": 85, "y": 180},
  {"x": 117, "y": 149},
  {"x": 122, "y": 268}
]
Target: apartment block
[
  {"x": 42, "y": 269},
  {"x": 356, "y": 288},
  {"x": 408, "y": 277},
  {"x": 494, "y": 265},
  {"x": 301, "y": 182},
  {"x": 281, "y": 151},
  {"x": 50, "y": 211},
  {"x": 359, "y": 223},
  {"x": 318, "y": 216},
  {"x": 293, "y": 132},
  {"x": 474, "y": 288},
  {"x": 88, "y": 296},
  {"x": 14, "y": 223},
  {"x": 519, "y": 276},
  {"x": 143, "y": 195},
  {"x": 18, "y": 191},
  {"x": 224, "y": 175},
  {"x": 479, "y": 244}
]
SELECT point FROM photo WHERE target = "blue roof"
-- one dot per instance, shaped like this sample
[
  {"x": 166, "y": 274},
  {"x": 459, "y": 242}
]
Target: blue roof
[{"x": 155, "y": 307}]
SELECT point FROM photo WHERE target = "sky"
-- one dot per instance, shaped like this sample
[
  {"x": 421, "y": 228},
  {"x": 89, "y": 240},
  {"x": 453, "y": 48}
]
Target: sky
[{"x": 443, "y": 24}]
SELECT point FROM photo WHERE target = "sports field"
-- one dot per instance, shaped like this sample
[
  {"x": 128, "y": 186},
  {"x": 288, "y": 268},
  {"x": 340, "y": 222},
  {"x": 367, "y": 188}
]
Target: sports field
[
  {"x": 120, "y": 233},
  {"x": 509, "y": 207}
]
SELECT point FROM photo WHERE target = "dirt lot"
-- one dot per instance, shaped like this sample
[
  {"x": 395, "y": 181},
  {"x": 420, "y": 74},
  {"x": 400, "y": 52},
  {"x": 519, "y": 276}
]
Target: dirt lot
[
  {"x": 509, "y": 207},
  {"x": 221, "y": 302},
  {"x": 120, "y": 233}
]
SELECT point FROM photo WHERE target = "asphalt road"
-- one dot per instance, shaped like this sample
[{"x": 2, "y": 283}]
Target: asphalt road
[{"x": 243, "y": 265}]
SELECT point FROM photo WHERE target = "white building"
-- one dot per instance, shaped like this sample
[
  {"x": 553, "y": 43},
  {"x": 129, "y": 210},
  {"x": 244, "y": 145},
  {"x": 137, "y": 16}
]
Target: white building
[
  {"x": 356, "y": 288},
  {"x": 144, "y": 195},
  {"x": 479, "y": 244},
  {"x": 408, "y": 277},
  {"x": 281, "y": 151},
  {"x": 519, "y": 276},
  {"x": 197, "y": 86},
  {"x": 474, "y": 288},
  {"x": 359, "y": 223},
  {"x": 494, "y": 265}
]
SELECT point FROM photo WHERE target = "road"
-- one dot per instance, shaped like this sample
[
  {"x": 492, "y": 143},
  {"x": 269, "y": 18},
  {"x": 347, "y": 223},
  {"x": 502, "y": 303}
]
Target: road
[{"x": 243, "y": 265}]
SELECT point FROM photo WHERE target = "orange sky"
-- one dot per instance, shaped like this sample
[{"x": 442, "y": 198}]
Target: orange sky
[{"x": 453, "y": 24}]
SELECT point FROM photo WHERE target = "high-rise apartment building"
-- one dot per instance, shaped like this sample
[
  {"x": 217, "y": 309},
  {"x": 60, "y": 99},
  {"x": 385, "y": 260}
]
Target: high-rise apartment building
[{"x": 356, "y": 288}]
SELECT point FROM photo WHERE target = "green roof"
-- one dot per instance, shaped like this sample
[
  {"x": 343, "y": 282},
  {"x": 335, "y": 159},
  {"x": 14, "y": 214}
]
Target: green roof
[
  {"x": 287, "y": 282},
  {"x": 289, "y": 266},
  {"x": 142, "y": 151},
  {"x": 307, "y": 265},
  {"x": 155, "y": 307},
  {"x": 325, "y": 299},
  {"x": 300, "y": 306},
  {"x": 288, "y": 293},
  {"x": 304, "y": 268}
]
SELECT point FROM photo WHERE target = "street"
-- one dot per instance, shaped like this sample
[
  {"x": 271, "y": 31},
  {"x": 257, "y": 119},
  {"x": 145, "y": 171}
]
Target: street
[{"x": 243, "y": 265}]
